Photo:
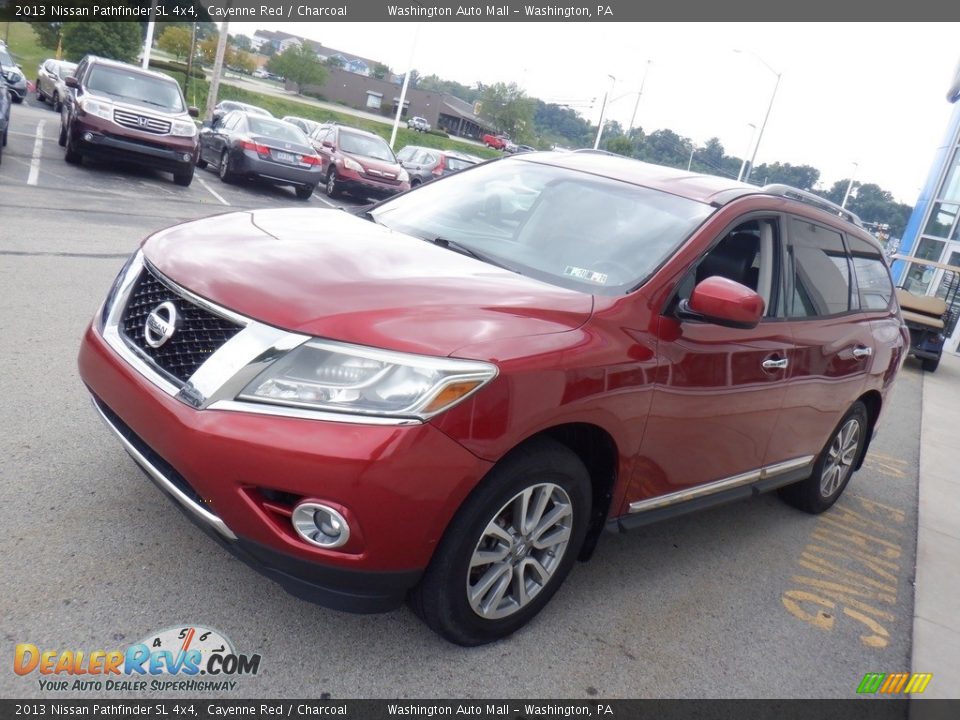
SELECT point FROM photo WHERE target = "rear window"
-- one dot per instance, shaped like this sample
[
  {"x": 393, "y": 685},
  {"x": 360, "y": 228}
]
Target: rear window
[
  {"x": 874, "y": 287},
  {"x": 122, "y": 84},
  {"x": 455, "y": 163},
  {"x": 276, "y": 129},
  {"x": 565, "y": 227}
]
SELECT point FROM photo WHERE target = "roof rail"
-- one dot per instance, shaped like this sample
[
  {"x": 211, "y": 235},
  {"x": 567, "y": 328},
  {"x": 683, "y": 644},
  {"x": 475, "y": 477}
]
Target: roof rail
[{"x": 810, "y": 198}]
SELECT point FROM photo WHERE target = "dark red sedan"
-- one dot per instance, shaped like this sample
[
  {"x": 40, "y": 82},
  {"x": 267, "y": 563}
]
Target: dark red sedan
[{"x": 448, "y": 398}]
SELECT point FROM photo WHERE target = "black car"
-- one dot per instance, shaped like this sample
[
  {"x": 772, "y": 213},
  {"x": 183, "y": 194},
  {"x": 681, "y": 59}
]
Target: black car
[
  {"x": 428, "y": 164},
  {"x": 246, "y": 145},
  {"x": 4, "y": 115}
]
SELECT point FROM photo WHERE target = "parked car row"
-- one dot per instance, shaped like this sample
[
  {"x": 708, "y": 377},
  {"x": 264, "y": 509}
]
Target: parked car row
[
  {"x": 109, "y": 108},
  {"x": 13, "y": 75}
]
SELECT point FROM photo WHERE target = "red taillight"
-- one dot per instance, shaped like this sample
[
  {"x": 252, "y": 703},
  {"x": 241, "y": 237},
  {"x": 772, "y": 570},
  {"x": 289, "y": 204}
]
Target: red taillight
[
  {"x": 311, "y": 159},
  {"x": 441, "y": 166},
  {"x": 250, "y": 145}
]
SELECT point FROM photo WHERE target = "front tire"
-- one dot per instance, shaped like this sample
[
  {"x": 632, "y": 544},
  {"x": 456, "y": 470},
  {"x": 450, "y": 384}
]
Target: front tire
[
  {"x": 333, "y": 187},
  {"x": 834, "y": 465},
  {"x": 184, "y": 177},
  {"x": 72, "y": 155},
  {"x": 509, "y": 546},
  {"x": 57, "y": 105}
]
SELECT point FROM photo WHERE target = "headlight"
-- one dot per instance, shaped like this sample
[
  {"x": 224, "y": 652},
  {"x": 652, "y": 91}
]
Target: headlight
[
  {"x": 183, "y": 128},
  {"x": 332, "y": 376},
  {"x": 404, "y": 176},
  {"x": 351, "y": 164},
  {"x": 14, "y": 77},
  {"x": 99, "y": 108}
]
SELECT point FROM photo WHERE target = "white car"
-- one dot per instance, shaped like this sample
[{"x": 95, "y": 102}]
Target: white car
[{"x": 419, "y": 124}]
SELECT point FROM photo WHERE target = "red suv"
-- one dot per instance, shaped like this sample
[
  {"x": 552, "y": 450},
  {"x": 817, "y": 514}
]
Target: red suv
[
  {"x": 449, "y": 397},
  {"x": 358, "y": 162},
  {"x": 121, "y": 111}
]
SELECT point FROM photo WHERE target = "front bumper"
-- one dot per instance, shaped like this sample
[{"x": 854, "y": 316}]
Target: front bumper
[
  {"x": 356, "y": 184},
  {"x": 164, "y": 152},
  {"x": 398, "y": 485}
]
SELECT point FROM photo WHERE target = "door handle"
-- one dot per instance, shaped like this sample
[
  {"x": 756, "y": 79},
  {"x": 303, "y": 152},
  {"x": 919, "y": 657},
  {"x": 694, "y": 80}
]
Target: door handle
[
  {"x": 775, "y": 364},
  {"x": 861, "y": 351}
]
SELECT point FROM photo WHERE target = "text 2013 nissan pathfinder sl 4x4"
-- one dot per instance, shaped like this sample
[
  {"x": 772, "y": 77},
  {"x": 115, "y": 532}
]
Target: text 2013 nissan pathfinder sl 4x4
[{"x": 448, "y": 397}]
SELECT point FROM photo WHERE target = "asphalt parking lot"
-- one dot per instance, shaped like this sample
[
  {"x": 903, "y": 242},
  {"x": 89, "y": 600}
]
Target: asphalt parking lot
[{"x": 752, "y": 599}]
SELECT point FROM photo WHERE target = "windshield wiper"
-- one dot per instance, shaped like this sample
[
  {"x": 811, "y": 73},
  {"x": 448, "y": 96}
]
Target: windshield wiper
[{"x": 470, "y": 252}]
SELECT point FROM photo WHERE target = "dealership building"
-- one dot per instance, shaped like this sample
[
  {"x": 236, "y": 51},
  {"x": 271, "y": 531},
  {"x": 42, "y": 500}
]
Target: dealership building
[{"x": 933, "y": 231}]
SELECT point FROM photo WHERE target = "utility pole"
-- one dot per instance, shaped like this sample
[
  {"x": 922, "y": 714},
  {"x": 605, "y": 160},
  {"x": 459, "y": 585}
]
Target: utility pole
[
  {"x": 636, "y": 105},
  {"x": 603, "y": 111},
  {"x": 217, "y": 70},
  {"x": 148, "y": 42},
  {"x": 193, "y": 49},
  {"x": 846, "y": 195},
  {"x": 406, "y": 83},
  {"x": 690, "y": 161}
]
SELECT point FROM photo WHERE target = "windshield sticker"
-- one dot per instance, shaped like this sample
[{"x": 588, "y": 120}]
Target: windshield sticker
[{"x": 589, "y": 275}]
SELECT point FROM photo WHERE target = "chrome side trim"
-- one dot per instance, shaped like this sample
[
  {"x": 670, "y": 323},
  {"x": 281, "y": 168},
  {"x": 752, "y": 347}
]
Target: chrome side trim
[
  {"x": 161, "y": 480},
  {"x": 728, "y": 483}
]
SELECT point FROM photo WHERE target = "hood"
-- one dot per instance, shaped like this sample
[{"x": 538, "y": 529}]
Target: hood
[
  {"x": 373, "y": 166},
  {"x": 330, "y": 274}
]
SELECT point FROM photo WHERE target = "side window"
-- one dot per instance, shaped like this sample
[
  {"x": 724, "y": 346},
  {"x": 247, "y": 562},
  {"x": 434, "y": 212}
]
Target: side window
[
  {"x": 872, "y": 278},
  {"x": 818, "y": 281},
  {"x": 749, "y": 254}
]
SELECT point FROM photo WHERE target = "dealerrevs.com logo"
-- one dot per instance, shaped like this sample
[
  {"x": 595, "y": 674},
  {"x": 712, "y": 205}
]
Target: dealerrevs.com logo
[{"x": 190, "y": 658}]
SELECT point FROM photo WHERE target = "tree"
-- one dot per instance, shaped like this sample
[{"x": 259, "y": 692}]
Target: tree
[
  {"x": 176, "y": 41},
  {"x": 798, "y": 176},
  {"x": 335, "y": 62},
  {"x": 621, "y": 145},
  {"x": 380, "y": 71},
  {"x": 241, "y": 42},
  {"x": 48, "y": 33},
  {"x": 114, "y": 40},
  {"x": 208, "y": 50},
  {"x": 509, "y": 109},
  {"x": 243, "y": 61},
  {"x": 299, "y": 65}
]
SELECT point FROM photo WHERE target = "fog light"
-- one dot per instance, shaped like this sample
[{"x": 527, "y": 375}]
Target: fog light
[
  {"x": 187, "y": 158},
  {"x": 88, "y": 136},
  {"x": 320, "y": 525}
]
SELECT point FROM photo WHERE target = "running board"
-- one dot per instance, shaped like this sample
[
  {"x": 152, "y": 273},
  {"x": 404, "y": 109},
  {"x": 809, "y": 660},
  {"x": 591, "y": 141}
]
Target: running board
[{"x": 736, "y": 487}]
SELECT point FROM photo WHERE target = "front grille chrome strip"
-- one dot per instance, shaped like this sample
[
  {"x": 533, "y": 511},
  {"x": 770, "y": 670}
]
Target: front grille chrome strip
[
  {"x": 167, "y": 485},
  {"x": 137, "y": 121}
]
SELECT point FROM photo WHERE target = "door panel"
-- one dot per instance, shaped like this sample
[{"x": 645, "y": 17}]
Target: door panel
[{"x": 715, "y": 406}]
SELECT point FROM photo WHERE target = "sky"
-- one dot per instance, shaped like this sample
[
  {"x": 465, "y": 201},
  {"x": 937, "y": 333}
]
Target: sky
[{"x": 873, "y": 94}]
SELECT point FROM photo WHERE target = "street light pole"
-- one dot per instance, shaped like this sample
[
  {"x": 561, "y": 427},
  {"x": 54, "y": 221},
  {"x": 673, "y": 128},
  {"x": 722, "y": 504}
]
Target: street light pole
[
  {"x": 406, "y": 83},
  {"x": 603, "y": 111},
  {"x": 846, "y": 195},
  {"x": 639, "y": 95},
  {"x": 148, "y": 41},
  {"x": 743, "y": 165},
  {"x": 763, "y": 125}
]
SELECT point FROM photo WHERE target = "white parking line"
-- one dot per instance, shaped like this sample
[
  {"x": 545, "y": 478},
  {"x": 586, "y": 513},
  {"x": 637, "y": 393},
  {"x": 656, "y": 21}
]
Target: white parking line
[
  {"x": 213, "y": 192},
  {"x": 35, "y": 160}
]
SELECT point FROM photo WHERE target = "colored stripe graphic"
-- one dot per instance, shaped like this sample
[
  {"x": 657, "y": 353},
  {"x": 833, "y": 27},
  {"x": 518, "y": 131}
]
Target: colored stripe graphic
[{"x": 894, "y": 683}]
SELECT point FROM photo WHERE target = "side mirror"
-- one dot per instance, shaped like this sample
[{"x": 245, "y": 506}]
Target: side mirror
[
  {"x": 721, "y": 301},
  {"x": 327, "y": 144},
  {"x": 193, "y": 112},
  {"x": 72, "y": 82}
]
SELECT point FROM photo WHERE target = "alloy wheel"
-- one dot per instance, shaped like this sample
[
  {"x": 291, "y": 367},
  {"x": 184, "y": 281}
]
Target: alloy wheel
[
  {"x": 840, "y": 457},
  {"x": 519, "y": 551}
]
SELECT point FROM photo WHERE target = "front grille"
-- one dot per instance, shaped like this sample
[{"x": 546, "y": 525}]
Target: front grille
[
  {"x": 199, "y": 333},
  {"x": 388, "y": 178},
  {"x": 141, "y": 122}
]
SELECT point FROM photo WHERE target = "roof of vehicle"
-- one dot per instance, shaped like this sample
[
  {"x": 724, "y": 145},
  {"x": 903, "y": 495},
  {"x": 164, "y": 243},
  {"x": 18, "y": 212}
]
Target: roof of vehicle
[
  {"x": 127, "y": 66},
  {"x": 710, "y": 189},
  {"x": 357, "y": 130}
]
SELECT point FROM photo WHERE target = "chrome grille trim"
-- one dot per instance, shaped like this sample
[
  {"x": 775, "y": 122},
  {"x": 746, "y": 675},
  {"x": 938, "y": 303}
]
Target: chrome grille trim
[{"x": 141, "y": 122}]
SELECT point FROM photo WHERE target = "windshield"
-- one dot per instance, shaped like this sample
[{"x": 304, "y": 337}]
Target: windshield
[
  {"x": 276, "y": 129},
  {"x": 127, "y": 85},
  {"x": 5, "y": 59},
  {"x": 566, "y": 227},
  {"x": 371, "y": 147}
]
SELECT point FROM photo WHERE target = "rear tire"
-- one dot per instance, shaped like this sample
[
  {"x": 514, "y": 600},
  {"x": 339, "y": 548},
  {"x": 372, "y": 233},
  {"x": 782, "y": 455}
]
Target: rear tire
[
  {"x": 930, "y": 364},
  {"x": 834, "y": 465},
  {"x": 57, "y": 105},
  {"x": 509, "y": 547},
  {"x": 304, "y": 192},
  {"x": 226, "y": 175},
  {"x": 201, "y": 163},
  {"x": 40, "y": 96},
  {"x": 62, "y": 140}
]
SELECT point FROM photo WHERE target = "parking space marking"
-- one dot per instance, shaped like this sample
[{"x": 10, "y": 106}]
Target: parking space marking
[
  {"x": 854, "y": 557},
  {"x": 35, "y": 159},
  {"x": 213, "y": 192}
]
